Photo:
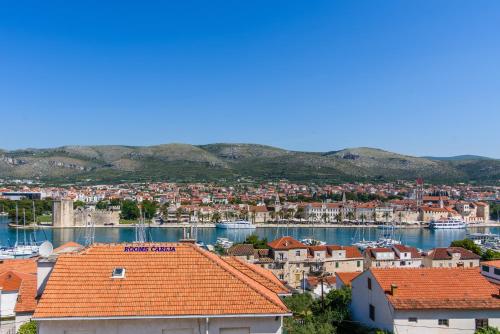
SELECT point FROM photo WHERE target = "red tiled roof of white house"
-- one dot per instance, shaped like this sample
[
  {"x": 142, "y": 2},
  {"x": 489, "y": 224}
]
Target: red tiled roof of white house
[
  {"x": 152, "y": 280},
  {"x": 437, "y": 288},
  {"x": 20, "y": 275},
  {"x": 286, "y": 243}
]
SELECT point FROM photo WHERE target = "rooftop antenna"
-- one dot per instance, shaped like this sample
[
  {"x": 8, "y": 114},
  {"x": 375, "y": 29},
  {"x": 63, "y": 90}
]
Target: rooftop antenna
[{"x": 89, "y": 230}]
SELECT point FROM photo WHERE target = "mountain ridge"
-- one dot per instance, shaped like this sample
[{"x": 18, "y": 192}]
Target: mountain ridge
[{"x": 231, "y": 161}]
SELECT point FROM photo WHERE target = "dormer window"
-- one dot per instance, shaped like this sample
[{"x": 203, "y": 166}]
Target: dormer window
[{"x": 118, "y": 272}]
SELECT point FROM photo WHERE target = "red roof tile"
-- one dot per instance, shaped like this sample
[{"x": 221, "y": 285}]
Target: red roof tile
[
  {"x": 186, "y": 281},
  {"x": 437, "y": 288},
  {"x": 286, "y": 243}
]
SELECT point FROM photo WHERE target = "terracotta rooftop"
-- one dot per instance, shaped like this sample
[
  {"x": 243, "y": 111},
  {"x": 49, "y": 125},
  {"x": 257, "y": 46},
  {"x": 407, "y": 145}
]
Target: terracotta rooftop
[
  {"x": 493, "y": 263},
  {"x": 20, "y": 275},
  {"x": 241, "y": 250},
  {"x": 346, "y": 278},
  {"x": 446, "y": 253},
  {"x": 181, "y": 282},
  {"x": 70, "y": 246},
  {"x": 259, "y": 274},
  {"x": 286, "y": 243},
  {"x": 437, "y": 288}
]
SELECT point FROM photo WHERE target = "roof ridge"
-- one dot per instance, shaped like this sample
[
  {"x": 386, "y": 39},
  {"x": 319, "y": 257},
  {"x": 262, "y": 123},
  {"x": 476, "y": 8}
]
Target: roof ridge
[
  {"x": 256, "y": 270},
  {"x": 240, "y": 276}
]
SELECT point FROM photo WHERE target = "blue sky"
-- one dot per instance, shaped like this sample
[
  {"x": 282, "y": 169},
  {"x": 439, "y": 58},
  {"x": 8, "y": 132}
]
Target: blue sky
[{"x": 415, "y": 77}]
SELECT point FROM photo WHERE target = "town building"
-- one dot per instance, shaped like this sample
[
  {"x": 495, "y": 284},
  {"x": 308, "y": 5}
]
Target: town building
[
  {"x": 491, "y": 270},
  {"x": 158, "y": 288},
  {"x": 18, "y": 292},
  {"x": 425, "y": 300},
  {"x": 292, "y": 261},
  {"x": 450, "y": 257},
  {"x": 344, "y": 279},
  {"x": 392, "y": 257}
]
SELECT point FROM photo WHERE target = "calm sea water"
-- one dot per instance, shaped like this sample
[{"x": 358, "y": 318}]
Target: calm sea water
[{"x": 421, "y": 238}]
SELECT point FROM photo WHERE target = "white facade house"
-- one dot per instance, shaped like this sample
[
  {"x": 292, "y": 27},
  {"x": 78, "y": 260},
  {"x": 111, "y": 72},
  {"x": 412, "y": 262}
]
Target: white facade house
[
  {"x": 491, "y": 270},
  {"x": 404, "y": 301}
]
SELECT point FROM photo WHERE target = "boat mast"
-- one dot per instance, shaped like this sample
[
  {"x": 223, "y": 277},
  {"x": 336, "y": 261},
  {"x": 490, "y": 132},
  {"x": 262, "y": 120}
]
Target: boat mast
[
  {"x": 17, "y": 224},
  {"x": 24, "y": 225}
]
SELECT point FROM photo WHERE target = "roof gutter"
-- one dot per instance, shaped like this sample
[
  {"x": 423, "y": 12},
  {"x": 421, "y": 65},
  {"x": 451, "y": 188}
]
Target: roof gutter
[{"x": 168, "y": 317}]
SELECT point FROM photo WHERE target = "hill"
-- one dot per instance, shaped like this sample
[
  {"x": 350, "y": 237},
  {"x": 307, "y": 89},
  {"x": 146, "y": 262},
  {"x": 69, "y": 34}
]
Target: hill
[{"x": 183, "y": 162}]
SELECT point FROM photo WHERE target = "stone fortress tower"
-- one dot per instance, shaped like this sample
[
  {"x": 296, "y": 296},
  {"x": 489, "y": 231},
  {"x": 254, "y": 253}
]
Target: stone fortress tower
[{"x": 62, "y": 213}]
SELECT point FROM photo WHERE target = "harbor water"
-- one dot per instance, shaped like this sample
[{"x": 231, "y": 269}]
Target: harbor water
[{"x": 419, "y": 237}]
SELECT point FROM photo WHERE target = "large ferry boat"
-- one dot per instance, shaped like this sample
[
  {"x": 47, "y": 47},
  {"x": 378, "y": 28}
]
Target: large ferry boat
[
  {"x": 447, "y": 223},
  {"x": 238, "y": 224}
]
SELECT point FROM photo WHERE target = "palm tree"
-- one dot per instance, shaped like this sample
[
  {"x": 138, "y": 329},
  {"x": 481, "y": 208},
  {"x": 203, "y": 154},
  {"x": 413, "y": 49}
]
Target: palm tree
[
  {"x": 216, "y": 217},
  {"x": 386, "y": 216},
  {"x": 363, "y": 217},
  {"x": 324, "y": 216},
  {"x": 338, "y": 217},
  {"x": 350, "y": 215},
  {"x": 374, "y": 216},
  {"x": 178, "y": 214},
  {"x": 300, "y": 213}
]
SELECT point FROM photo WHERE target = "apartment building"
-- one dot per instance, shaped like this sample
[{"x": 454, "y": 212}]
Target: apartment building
[
  {"x": 425, "y": 300},
  {"x": 450, "y": 257},
  {"x": 392, "y": 257},
  {"x": 292, "y": 261}
]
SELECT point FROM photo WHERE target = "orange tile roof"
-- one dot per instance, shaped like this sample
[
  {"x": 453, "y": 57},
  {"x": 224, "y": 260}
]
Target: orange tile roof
[
  {"x": 259, "y": 274},
  {"x": 437, "y": 288},
  {"x": 286, "y": 243},
  {"x": 20, "y": 275},
  {"x": 187, "y": 281},
  {"x": 346, "y": 278},
  {"x": 493, "y": 263},
  {"x": 68, "y": 247},
  {"x": 350, "y": 251}
]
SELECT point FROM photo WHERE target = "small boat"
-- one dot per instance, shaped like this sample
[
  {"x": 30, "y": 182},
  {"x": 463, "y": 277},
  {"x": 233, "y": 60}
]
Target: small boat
[
  {"x": 447, "y": 223},
  {"x": 312, "y": 242},
  {"x": 3, "y": 214},
  {"x": 238, "y": 224},
  {"x": 224, "y": 243},
  {"x": 387, "y": 242},
  {"x": 364, "y": 244},
  {"x": 483, "y": 238}
]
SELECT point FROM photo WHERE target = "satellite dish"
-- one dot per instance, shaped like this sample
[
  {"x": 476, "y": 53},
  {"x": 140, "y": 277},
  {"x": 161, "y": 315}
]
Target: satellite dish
[{"x": 46, "y": 249}]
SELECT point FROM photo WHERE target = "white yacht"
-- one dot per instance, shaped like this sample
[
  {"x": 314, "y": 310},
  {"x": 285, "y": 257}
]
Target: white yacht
[
  {"x": 238, "y": 224},
  {"x": 447, "y": 223}
]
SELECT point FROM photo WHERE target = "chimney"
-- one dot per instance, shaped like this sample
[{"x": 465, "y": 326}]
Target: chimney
[{"x": 394, "y": 289}]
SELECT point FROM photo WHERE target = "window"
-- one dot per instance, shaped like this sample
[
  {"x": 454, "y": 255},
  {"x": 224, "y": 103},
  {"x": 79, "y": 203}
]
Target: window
[
  {"x": 372, "y": 312},
  {"x": 471, "y": 264},
  {"x": 118, "y": 272},
  {"x": 336, "y": 264},
  {"x": 481, "y": 323},
  {"x": 443, "y": 322},
  {"x": 281, "y": 276},
  {"x": 369, "y": 283},
  {"x": 485, "y": 268},
  {"x": 402, "y": 263},
  {"x": 412, "y": 320},
  {"x": 281, "y": 256},
  {"x": 496, "y": 271},
  {"x": 297, "y": 253},
  {"x": 358, "y": 263}
]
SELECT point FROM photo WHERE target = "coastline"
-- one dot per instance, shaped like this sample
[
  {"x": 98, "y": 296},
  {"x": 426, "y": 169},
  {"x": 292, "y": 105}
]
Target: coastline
[{"x": 261, "y": 225}]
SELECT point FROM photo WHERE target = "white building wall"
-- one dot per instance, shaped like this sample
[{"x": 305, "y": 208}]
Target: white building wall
[
  {"x": 257, "y": 325},
  {"x": 8, "y": 302},
  {"x": 460, "y": 322},
  {"x": 362, "y": 297}
]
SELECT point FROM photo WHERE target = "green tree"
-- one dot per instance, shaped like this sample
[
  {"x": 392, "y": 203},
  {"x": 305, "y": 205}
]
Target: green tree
[
  {"x": 257, "y": 243},
  {"x": 488, "y": 330},
  {"x": 467, "y": 244},
  {"x": 77, "y": 204},
  {"x": 149, "y": 208},
  {"x": 28, "y": 328},
  {"x": 130, "y": 210},
  {"x": 102, "y": 205}
]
